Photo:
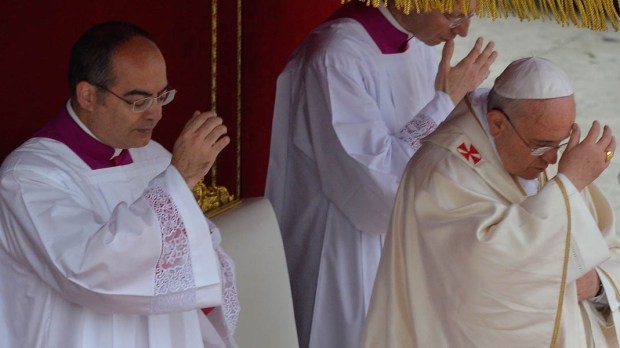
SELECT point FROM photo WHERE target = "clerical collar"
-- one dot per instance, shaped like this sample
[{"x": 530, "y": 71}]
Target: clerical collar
[
  {"x": 389, "y": 36},
  {"x": 530, "y": 187},
  {"x": 67, "y": 129},
  {"x": 79, "y": 122},
  {"x": 388, "y": 15}
]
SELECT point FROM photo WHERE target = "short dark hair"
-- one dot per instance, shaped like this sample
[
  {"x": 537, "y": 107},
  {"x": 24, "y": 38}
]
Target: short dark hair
[{"x": 91, "y": 54}]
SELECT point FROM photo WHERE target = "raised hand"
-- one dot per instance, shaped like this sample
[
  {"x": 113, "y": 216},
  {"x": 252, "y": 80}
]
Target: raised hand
[
  {"x": 198, "y": 145},
  {"x": 582, "y": 162},
  {"x": 468, "y": 74}
]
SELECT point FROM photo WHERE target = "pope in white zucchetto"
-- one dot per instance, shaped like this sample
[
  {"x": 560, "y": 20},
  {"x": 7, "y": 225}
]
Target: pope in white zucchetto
[{"x": 499, "y": 237}]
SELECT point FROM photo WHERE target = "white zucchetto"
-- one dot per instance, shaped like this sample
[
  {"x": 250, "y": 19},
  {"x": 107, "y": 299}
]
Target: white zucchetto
[{"x": 533, "y": 78}]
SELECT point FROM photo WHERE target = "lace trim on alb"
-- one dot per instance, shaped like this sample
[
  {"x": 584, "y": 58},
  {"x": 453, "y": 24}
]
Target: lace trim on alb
[
  {"x": 174, "y": 277},
  {"x": 416, "y": 130},
  {"x": 230, "y": 305}
]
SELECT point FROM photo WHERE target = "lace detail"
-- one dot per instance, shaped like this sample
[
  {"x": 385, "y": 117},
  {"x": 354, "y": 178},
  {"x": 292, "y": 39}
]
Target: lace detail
[
  {"x": 416, "y": 130},
  {"x": 174, "y": 278},
  {"x": 174, "y": 302},
  {"x": 230, "y": 305}
]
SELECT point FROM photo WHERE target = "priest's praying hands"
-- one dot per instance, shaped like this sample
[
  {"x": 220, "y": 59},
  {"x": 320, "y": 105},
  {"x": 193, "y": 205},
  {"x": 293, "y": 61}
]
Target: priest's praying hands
[
  {"x": 195, "y": 150},
  {"x": 467, "y": 74},
  {"x": 584, "y": 161}
]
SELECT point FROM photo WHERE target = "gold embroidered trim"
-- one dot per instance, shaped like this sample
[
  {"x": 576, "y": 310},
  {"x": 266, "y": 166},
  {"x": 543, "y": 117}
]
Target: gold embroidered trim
[
  {"x": 593, "y": 14},
  {"x": 542, "y": 180},
  {"x": 558, "y": 314},
  {"x": 238, "y": 152},
  {"x": 214, "y": 75},
  {"x": 514, "y": 179}
]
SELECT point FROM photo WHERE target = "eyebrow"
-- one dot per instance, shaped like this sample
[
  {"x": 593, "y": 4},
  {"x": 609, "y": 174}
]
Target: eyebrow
[
  {"x": 549, "y": 142},
  {"x": 541, "y": 143},
  {"x": 143, "y": 93}
]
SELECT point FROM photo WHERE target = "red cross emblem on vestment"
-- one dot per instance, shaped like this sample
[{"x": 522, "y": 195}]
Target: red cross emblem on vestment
[{"x": 471, "y": 154}]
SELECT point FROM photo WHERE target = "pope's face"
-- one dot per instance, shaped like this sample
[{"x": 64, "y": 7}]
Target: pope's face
[
  {"x": 536, "y": 123},
  {"x": 434, "y": 27},
  {"x": 140, "y": 72}
]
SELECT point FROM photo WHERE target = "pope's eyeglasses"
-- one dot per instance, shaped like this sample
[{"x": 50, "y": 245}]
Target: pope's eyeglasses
[
  {"x": 143, "y": 104},
  {"x": 535, "y": 151},
  {"x": 455, "y": 21}
]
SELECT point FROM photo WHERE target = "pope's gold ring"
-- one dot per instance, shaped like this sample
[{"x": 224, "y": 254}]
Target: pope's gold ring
[{"x": 609, "y": 155}]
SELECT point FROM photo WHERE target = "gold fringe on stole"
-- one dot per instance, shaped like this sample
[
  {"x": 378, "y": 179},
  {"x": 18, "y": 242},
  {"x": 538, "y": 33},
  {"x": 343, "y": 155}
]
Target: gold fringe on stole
[
  {"x": 569, "y": 227},
  {"x": 592, "y": 14}
]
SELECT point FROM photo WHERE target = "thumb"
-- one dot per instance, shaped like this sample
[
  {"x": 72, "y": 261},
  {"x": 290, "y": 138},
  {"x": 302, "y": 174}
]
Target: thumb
[
  {"x": 446, "y": 56},
  {"x": 444, "y": 66},
  {"x": 575, "y": 135}
]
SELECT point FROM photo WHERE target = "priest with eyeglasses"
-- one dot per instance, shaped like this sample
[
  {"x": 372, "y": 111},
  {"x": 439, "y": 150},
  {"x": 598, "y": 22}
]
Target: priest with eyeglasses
[
  {"x": 499, "y": 236},
  {"x": 102, "y": 243}
]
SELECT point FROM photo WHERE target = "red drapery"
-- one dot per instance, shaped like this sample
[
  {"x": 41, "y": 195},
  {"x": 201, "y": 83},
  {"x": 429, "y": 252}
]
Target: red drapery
[{"x": 271, "y": 33}]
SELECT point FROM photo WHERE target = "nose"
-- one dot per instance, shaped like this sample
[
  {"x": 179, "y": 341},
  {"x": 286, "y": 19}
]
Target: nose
[
  {"x": 551, "y": 156},
  {"x": 462, "y": 29},
  {"x": 154, "y": 113}
]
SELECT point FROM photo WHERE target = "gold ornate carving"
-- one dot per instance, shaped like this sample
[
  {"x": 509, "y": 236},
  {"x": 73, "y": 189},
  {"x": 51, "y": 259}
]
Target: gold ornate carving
[
  {"x": 214, "y": 199},
  {"x": 238, "y": 152},
  {"x": 221, "y": 210},
  {"x": 211, "y": 197},
  {"x": 214, "y": 75}
]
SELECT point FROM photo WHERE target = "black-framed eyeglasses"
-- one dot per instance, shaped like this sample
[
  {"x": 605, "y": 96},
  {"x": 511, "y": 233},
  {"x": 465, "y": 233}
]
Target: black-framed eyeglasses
[
  {"x": 143, "y": 104},
  {"x": 455, "y": 21},
  {"x": 535, "y": 151}
]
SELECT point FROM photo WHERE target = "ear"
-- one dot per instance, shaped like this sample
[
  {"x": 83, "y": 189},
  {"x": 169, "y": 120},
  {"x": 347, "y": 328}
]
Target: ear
[
  {"x": 497, "y": 122},
  {"x": 86, "y": 95}
]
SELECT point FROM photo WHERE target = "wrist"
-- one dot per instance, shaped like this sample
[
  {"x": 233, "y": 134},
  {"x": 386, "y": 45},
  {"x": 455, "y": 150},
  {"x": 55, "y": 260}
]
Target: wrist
[{"x": 601, "y": 289}]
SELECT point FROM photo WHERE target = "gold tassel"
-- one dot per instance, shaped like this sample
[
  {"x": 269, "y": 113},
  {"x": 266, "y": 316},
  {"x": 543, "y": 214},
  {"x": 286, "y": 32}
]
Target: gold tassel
[
  {"x": 592, "y": 14},
  {"x": 610, "y": 10},
  {"x": 533, "y": 8},
  {"x": 550, "y": 10}
]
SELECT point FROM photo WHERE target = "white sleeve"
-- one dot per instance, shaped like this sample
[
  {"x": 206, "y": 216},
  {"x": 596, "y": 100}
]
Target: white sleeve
[
  {"x": 359, "y": 159},
  {"x": 426, "y": 120},
  {"x": 225, "y": 317},
  {"x": 152, "y": 255}
]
